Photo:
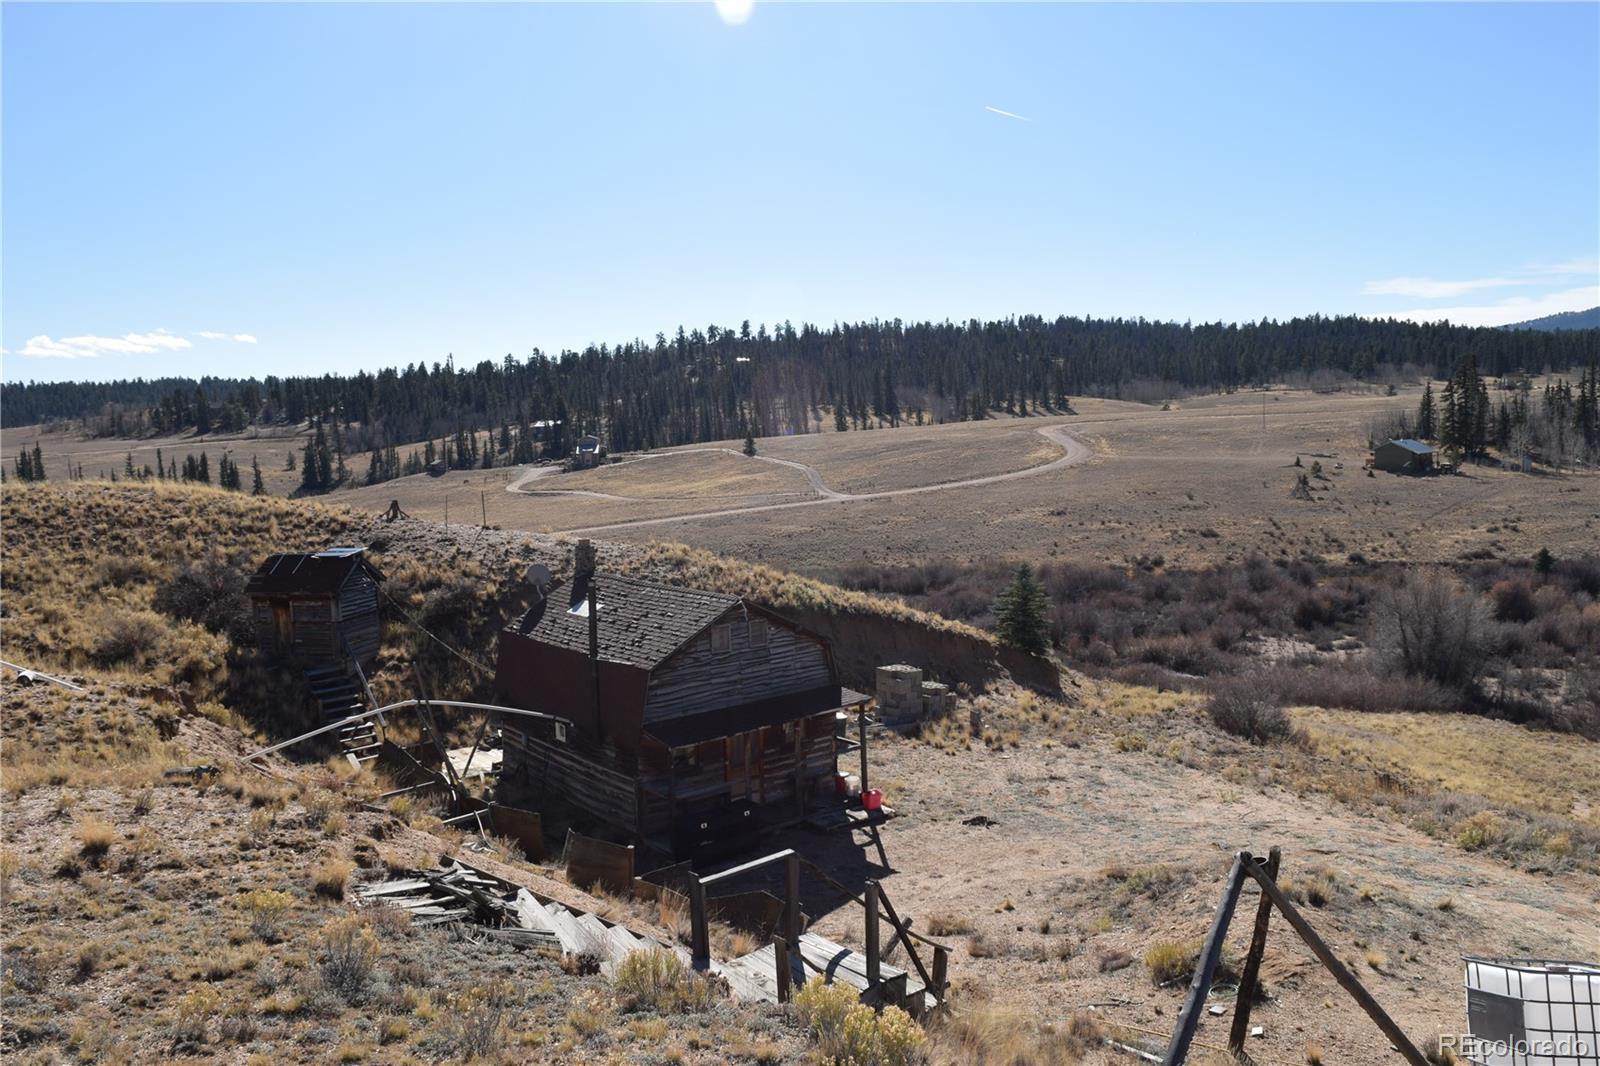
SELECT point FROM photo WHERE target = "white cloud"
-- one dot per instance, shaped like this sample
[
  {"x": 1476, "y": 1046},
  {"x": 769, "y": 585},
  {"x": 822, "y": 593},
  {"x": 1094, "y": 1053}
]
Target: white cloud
[
  {"x": 1565, "y": 267},
  {"x": 1007, "y": 114},
  {"x": 91, "y": 347},
  {"x": 1432, "y": 288},
  {"x": 1504, "y": 312},
  {"x": 212, "y": 335},
  {"x": 245, "y": 338}
]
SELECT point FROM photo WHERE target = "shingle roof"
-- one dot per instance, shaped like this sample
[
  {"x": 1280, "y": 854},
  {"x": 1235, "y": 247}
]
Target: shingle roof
[
  {"x": 1416, "y": 447},
  {"x": 307, "y": 573},
  {"x": 641, "y": 623},
  {"x": 725, "y": 721}
]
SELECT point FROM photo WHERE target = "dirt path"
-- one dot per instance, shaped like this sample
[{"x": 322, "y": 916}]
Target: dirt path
[{"x": 1073, "y": 451}]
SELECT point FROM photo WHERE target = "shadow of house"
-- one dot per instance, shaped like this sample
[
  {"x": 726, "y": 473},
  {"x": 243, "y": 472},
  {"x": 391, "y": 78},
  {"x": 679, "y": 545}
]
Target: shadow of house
[{"x": 699, "y": 720}]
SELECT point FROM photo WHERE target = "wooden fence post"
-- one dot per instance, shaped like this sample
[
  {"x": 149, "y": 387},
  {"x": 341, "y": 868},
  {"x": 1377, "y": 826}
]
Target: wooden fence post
[
  {"x": 791, "y": 910},
  {"x": 873, "y": 961},
  {"x": 1206, "y": 967},
  {"x": 1346, "y": 979},
  {"x": 699, "y": 934},
  {"x": 1252, "y": 963},
  {"x": 861, "y": 724},
  {"x": 941, "y": 967},
  {"x": 780, "y": 956}
]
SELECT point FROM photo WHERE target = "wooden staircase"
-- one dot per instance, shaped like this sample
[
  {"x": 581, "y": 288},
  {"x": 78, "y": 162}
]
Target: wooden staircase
[
  {"x": 837, "y": 965},
  {"x": 340, "y": 697}
]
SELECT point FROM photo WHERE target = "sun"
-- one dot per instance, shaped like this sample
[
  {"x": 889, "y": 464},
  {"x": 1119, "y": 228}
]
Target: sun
[{"x": 735, "y": 12}]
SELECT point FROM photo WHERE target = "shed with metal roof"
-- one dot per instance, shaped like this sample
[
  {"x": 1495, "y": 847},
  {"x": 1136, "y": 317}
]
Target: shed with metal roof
[
  {"x": 317, "y": 607},
  {"x": 1404, "y": 456}
]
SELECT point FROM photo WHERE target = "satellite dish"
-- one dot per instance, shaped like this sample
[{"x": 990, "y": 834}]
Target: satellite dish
[{"x": 539, "y": 577}]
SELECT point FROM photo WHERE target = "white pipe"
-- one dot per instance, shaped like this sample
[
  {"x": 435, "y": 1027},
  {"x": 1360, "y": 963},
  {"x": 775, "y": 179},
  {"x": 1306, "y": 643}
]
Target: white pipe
[{"x": 403, "y": 705}]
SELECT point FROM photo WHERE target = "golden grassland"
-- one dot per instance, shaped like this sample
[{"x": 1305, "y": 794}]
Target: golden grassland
[
  {"x": 1504, "y": 763},
  {"x": 693, "y": 474}
]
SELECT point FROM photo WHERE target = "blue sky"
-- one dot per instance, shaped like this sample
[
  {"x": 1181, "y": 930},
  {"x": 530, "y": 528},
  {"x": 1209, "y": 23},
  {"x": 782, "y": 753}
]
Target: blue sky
[{"x": 298, "y": 188}]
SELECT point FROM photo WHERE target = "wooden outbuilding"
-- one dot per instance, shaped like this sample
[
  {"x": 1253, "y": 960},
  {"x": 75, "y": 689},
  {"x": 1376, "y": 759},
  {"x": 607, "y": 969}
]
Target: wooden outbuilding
[
  {"x": 698, "y": 718},
  {"x": 1405, "y": 456},
  {"x": 317, "y": 608}
]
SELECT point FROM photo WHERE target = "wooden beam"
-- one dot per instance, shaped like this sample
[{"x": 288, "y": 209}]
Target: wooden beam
[
  {"x": 1206, "y": 967},
  {"x": 791, "y": 910},
  {"x": 1252, "y": 963},
  {"x": 1346, "y": 979},
  {"x": 861, "y": 724},
  {"x": 780, "y": 958},
  {"x": 699, "y": 934},
  {"x": 873, "y": 959}
]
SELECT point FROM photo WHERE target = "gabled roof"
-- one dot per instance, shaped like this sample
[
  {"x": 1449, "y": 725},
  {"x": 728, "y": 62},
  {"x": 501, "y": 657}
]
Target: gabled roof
[
  {"x": 308, "y": 573},
  {"x": 1415, "y": 447},
  {"x": 640, "y": 623}
]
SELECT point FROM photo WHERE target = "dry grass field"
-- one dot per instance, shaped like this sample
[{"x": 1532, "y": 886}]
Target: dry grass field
[
  {"x": 104, "y": 456},
  {"x": 1204, "y": 482}
]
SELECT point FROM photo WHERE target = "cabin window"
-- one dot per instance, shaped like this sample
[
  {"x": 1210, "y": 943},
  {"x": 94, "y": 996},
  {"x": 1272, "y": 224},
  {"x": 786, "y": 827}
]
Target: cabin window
[
  {"x": 561, "y": 732},
  {"x": 758, "y": 632},
  {"x": 721, "y": 638}
]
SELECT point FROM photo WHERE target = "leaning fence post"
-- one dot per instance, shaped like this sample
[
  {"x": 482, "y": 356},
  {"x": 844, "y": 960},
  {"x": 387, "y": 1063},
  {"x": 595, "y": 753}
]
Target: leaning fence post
[
  {"x": 941, "y": 965},
  {"x": 1346, "y": 979},
  {"x": 780, "y": 958},
  {"x": 1252, "y": 963},
  {"x": 1206, "y": 966},
  {"x": 699, "y": 935},
  {"x": 871, "y": 898}
]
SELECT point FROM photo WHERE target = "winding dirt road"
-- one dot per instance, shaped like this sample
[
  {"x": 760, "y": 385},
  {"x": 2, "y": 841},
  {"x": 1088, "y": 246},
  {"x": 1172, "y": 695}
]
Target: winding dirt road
[{"x": 1073, "y": 451}]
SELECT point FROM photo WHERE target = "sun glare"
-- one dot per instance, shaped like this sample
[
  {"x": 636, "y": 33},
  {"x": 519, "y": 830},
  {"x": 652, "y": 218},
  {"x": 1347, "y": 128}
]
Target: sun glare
[{"x": 735, "y": 12}]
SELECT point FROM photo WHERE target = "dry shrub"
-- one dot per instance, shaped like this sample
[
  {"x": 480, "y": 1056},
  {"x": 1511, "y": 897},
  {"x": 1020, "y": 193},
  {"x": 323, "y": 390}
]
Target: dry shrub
[
  {"x": 127, "y": 638},
  {"x": 474, "y": 1025},
  {"x": 949, "y": 925},
  {"x": 985, "y": 1036},
  {"x": 849, "y": 1033},
  {"x": 266, "y": 909},
  {"x": 328, "y": 877},
  {"x": 195, "y": 1017},
  {"x": 1436, "y": 630},
  {"x": 95, "y": 837},
  {"x": 656, "y": 979},
  {"x": 1250, "y": 712},
  {"x": 1171, "y": 960},
  {"x": 349, "y": 954}
]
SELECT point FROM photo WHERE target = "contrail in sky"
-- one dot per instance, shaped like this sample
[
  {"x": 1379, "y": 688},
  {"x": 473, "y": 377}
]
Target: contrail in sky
[{"x": 1007, "y": 114}]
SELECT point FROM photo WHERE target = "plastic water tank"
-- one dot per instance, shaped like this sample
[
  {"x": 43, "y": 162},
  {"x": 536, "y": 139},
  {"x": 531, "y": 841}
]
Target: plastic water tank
[{"x": 1532, "y": 1012}]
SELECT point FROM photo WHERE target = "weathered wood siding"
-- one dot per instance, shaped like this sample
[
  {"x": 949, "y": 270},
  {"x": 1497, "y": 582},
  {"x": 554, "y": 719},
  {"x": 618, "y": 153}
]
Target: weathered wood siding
[
  {"x": 592, "y": 778},
  {"x": 699, "y": 678},
  {"x": 358, "y": 615}
]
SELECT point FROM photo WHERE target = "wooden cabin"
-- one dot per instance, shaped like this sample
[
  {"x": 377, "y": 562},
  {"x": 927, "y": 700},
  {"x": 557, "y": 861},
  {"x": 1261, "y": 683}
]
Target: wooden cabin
[
  {"x": 698, "y": 718},
  {"x": 317, "y": 608}
]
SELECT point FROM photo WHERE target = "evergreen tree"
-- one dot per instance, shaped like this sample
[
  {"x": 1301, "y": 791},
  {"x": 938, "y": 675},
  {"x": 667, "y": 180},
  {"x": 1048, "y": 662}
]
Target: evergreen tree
[
  {"x": 1426, "y": 427},
  {"x": 750, "y": 444},
  {"x": 257, "y": 486},
  {"x": 1020, "y": 613},
  {"x": 38, "y": 464}
]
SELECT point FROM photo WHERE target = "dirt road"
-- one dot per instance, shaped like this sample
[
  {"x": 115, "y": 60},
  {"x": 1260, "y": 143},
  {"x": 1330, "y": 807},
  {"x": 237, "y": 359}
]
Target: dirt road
[{"x": 1073, "y": 451}]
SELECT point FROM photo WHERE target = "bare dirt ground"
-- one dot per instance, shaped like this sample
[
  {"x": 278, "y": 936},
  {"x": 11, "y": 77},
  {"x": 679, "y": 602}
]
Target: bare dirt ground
[
  {"x": 1203, "y": 482},
  {"x": 1084, "y": 856}
]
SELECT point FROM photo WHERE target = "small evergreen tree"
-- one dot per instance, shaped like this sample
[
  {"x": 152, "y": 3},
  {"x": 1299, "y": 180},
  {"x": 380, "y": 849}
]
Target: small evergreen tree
[
  {"x": 1020, "y": 613},
  {"x": 750, "y": 444},
  {"x": 257, "y": 486}
]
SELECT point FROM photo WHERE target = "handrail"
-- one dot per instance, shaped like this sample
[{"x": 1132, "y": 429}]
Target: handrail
[
  {"x": 753, "y": 864},
  {"x": 402, "y": 705}
]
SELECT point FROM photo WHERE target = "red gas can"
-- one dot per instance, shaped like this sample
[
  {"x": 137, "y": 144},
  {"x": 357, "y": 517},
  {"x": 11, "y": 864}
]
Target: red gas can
[{"x": 872, "y": 800}]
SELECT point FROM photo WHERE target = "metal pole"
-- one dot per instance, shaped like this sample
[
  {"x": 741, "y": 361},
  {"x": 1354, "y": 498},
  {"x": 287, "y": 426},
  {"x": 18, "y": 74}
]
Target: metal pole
[
  {"x": 1206, "y": 967},
  {"x": 1252, "y": 963}
]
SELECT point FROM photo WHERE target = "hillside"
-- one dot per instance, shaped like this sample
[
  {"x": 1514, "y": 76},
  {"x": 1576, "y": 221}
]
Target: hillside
[
  {"x": 1063, "y": 842},
  {"x": 1589, "y": 319}
]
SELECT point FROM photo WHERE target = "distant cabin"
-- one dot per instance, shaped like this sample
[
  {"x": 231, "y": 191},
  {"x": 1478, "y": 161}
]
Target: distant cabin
[
  {"x": 1405, "y": 456},
  {"x": 589, "y": 452},
  {"x": 317, "y": 608},
  {"x": 698, "y": 718}
]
